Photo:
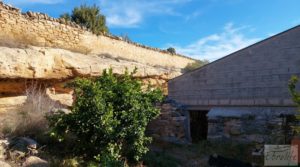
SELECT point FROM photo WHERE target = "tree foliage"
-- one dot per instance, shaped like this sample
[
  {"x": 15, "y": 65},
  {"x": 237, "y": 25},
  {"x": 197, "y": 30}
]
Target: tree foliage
[
  {"x": 88, "y": 16},
  {"x": 171, "y": 50},
  {"x": 296, "y": 98},
  {"x": 194, "y": 65},
  {"x": 292, "y": 87},
  {"x": 109, "y": 118},
  {"x": 66, "y": 16}
]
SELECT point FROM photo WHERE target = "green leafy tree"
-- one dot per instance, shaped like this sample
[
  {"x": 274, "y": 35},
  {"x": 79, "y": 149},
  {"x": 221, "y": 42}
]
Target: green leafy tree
[
  {"x": 296, "y": 98},
  {"x": 292, "y": 87},
  {"x": 88, "y": 16},
  {"x": 109, "y": 118},
  {"x": 194, "y": 65},
  {"x": 171, "y": 50}
]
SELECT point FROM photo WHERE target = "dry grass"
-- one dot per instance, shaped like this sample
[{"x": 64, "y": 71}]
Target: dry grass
[{"x": 29, "y": 119}]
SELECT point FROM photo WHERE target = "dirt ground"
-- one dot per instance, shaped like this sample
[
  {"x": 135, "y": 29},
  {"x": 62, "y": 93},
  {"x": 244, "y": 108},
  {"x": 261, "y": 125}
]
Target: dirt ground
[{"x": 197, "y": 154}]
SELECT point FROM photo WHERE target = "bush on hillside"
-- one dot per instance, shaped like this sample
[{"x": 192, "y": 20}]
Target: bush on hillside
[
  {"x": 194, "y": 65},
  {"x": 171, "y": 50},
  {"x": 88, "y": 16},
  {"x": 109, "y": 118}
]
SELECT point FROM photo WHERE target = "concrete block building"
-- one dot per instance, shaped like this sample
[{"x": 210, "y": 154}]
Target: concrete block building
[{"x": 244, "y": 95}]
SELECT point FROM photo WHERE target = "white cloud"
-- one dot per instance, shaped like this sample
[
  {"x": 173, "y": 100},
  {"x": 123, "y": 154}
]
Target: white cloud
[
  {"x": 130, "y": 13},
  {"x": 215, "y": 46},
  {"x": 22, "y": 2},
  {"x": 193, "y": 15}
]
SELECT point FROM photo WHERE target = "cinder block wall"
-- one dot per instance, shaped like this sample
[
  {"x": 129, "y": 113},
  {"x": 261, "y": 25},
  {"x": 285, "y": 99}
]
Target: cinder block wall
[
  {"x": 41, "y": 30},
  {"x": 255, "y": 76}
]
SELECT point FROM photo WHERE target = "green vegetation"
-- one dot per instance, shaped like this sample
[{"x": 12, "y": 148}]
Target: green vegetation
[
  {"x": 197, "y": 154},
  {"x": 161, "y": 159},
  {"x": 195, "y": 65},
  {"x": 296, "y": 98},
  {"x": 29, "y": 119},
  {"x": 292, "y": 87},
  {"x": 171, "y": 50},
  {"x": 88, "y": 16},
  {"x": 109, "y": 118}
]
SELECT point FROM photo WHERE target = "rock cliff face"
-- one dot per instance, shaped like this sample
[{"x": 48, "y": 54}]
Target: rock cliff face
[
  {"x": 51, "y": 68},
  {"x": 38, "y": 50}
]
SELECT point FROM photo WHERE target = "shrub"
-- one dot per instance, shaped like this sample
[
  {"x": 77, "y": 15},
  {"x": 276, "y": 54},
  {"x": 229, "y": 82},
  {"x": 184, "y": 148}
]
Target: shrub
[
  {"x": 109, "y": 118},
  {"x": 171, "y": 50},
  {"x": 296, "y": 98},
  {"x": 66, "y": 16},
  {"x": 194, "y": 65},
  {"x": 88, "y": 16},
  {"x": 29, "y": 119},
  {"x": 292, "y": 87},
  {"x": 31, "y": 116}
]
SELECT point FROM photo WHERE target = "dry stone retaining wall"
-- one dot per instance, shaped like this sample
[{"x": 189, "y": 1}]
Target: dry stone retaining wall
[{"x": 41, "y": 30}]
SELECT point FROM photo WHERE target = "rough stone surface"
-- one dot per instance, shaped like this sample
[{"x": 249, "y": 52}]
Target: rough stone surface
[
  {"x": 38, "y": 29},
  {"x": 251, "y": 124},
  {"x": 34, "y": 161},
  {"x": 4, "y": 164},
  {"x": 171, "y": 125},
  {"x": 49, "y": 52},
  {"x": 23, "y": 144},
  {"x": 3, "y": 146},
  {"x": 11, "y": 103},
  {"x": 52, "y": 68},
  {"x": 51, "y": 63}
]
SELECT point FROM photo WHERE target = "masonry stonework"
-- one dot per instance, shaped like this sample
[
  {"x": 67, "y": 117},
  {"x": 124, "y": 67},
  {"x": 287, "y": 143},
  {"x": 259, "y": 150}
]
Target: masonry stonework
[
  {"x": 50, "y": 52},
  {"x": 41, "y": 30},
  {"x": 171, "y": 125}
]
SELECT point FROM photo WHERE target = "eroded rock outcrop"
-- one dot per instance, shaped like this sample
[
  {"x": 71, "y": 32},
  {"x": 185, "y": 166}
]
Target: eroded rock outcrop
[
  {"x": 52, "y": 67},
  {"x": 59, "y": 64},
  {"x": 36, "y": 49}
]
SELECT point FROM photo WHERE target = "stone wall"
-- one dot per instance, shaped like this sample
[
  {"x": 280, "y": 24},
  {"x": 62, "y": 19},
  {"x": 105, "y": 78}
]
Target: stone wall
[
  {"x": 255, "y": 76},
  {"x": 251, "y": 124},
  {"x": 171, "y": 125},
  {"x": 21, "y": 29}
]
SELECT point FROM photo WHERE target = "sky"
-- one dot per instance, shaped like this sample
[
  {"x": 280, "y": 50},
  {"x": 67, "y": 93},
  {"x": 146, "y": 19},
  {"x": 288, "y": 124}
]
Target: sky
[{"x": 201, "y": 29}]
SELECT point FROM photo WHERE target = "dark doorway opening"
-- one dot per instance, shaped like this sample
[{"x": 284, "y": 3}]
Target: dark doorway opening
[{"x": 198, "y": 125}]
